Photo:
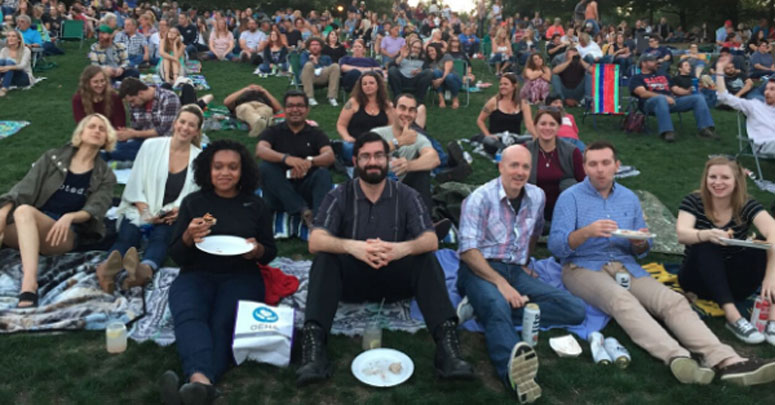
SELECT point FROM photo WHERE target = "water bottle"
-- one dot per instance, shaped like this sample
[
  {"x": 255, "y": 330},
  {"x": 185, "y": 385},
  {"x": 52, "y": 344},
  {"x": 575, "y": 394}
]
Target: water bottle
[{"x": 498, "y": 156}]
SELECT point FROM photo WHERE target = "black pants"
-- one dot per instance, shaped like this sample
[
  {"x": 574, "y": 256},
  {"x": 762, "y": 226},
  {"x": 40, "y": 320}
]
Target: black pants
[
  {"x": 187, "y": 95},
  {"x": 725, "y": 278},
  {"x": 343, "y": 277},
  {"x": 421, "y": 182},
  {"x": 293, "y": 195},
  {"x": 419, "y": 83}
]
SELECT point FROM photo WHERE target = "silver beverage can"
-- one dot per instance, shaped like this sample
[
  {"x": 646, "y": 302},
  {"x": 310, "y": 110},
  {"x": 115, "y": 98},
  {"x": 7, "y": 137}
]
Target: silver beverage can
[
  {"x": 623, "y": 279},
  {"x": 531, "y": 319}
]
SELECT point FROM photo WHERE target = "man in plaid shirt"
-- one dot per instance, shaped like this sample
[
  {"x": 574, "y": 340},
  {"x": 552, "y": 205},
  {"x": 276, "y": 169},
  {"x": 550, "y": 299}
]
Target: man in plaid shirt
[
  {"x": 152, "y": 111},
  {"x": 136, "y": 44},
  {"x": 111, "y": 56}
]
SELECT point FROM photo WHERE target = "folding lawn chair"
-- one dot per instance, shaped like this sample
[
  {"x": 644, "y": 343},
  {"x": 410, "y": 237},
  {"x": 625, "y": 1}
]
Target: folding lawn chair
[
  {"x": 72, "y": 29},
  {"x": 605, "y": 92},
  {"x": 460, "y": 67},
  {"x": 746, "y": 146},
  {"x": 294, "y": 64}
]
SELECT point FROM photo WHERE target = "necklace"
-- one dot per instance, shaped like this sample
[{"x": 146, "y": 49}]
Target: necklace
[{"x": 547, "y": 156}]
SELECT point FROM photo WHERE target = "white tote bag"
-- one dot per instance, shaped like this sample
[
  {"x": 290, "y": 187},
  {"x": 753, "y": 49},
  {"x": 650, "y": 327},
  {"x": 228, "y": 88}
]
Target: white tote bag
[{"x": 263, "y": 333}]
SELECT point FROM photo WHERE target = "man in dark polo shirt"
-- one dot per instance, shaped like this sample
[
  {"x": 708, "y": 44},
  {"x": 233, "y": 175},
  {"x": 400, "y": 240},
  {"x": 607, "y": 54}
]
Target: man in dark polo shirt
[
  {"x": 374, "y": 240},
  {"x": 569, "y": 78},
  {"x": 295, "y": 158}
]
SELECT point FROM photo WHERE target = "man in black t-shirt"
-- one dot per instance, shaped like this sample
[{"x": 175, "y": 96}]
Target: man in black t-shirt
[
  {"x": 569, "y": 78},
  {"x": 188, "y": 33},
  {"x": 374, "y": 241},
  {"x": 655, "y": 96},
  {"x": 295, "y": 158}
]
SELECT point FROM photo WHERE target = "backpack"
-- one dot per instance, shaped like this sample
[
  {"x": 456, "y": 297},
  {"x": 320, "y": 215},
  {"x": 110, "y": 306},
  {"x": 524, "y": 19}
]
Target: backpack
[
  {"x": 448, "y": 198},
  {"x": 634, "y": 121}
]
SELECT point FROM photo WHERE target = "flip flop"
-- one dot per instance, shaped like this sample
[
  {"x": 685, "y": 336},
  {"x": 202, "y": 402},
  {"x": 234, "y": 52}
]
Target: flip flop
[{"x": 28, "y": 296}]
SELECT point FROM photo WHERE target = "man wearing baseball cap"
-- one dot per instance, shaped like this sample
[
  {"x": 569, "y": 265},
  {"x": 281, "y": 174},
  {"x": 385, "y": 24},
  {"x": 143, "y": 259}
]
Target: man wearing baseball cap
[
  {"x": 722, "y": 32},
  {"x": 112, "y": 57},
  {"x": 655, "y": 96}
]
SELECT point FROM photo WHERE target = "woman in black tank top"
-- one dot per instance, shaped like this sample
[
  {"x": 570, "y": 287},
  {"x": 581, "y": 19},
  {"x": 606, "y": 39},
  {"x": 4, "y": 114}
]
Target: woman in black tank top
[
  {"x": 367, "y": 108},
  {"x": 506, "y": 110}
]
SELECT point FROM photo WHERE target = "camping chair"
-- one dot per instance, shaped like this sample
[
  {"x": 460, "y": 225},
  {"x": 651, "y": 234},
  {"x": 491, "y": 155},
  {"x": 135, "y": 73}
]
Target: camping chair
[
  {"x": 72, "y": 29},
  {"x": 294, "y": 64},
  {"x": 633, "y": 104},
  {"x": 487, "y": 50},
  {"x": 460, "y": 66},
  {"x": 605, "y": 93},
  {"x": 746, "y": 146}
]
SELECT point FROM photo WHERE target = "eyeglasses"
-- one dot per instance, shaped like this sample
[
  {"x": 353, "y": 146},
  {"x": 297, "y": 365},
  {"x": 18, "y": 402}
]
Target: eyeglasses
[{"x": 365, "y": 157}]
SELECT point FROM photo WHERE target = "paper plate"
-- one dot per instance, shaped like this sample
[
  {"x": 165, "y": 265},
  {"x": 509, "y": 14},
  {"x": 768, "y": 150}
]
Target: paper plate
[
  {"x": 373, "y": 367},
  {"x": 746, "y": 243},
  {"x": 565, "y": 346},
  {"x": 224, "y": 245},
  {"x": 628, "y": 234}
]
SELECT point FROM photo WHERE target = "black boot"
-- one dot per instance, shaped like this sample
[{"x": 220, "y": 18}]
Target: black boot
[
  {"x": 315, "y": 366},
  {"x": 449, "y": 362}
]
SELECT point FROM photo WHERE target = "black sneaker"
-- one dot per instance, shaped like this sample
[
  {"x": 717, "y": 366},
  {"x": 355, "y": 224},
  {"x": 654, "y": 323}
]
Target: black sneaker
[
  {"x": 169, "y": 383},
  {"x": 708, "y": 133},
  {"x": 198, "y": 394},
  {"x": 668, "y": 136},
  {"x": 315, "y": 366},
  {"x": 751, "y": 372}
]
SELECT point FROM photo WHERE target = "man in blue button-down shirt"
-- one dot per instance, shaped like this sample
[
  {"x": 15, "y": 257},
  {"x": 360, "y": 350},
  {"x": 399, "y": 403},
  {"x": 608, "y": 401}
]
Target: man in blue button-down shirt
[
  {"x": 582, "y": 237},
  {"x": 499, "y": 225}
]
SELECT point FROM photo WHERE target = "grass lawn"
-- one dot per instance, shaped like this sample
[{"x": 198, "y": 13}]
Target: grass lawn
[{"x": 75, "y": 368}]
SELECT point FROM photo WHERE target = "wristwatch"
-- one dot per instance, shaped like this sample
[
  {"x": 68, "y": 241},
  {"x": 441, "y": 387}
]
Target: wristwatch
[
  {"x": 395, "y": 143},
  {"x": 310, "y": 158}
]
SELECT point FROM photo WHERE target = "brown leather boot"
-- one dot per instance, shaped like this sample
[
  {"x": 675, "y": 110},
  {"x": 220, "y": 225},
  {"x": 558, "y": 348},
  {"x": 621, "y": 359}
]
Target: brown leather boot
[
  {"x": 107, "y": 270},
  {"x": 143, "y": 275}
]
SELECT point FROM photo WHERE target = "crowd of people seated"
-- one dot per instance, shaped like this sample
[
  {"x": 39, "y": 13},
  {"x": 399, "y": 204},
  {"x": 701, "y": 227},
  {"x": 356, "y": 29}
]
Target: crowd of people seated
[{"x": 370, "y": 234}]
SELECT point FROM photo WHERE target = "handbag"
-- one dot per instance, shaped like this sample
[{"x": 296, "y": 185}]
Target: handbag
[
  {"x": 263, "y": 333},
  {"x": 634, "y": 121}
]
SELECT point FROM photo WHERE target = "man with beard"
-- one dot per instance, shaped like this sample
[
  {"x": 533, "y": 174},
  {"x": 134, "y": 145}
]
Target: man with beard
[
  {"x": 374, "y": 240},
  {"x": 251, "y": 42},
  {"x": 493, "y": 276},
  {"x": 112, "y": 57},
  {"x": 413, "y": 154},
  {"x": 295, "y": 158}
]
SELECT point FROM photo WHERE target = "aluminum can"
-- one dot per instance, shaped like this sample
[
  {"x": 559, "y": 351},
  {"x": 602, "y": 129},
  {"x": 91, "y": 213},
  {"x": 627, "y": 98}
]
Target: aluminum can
[
  {"x": 531, "y": 320},
  {"x": 623, "y": 279}
]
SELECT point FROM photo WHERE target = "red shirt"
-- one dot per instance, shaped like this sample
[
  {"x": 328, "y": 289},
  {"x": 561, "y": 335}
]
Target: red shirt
[
  {"x": 117, "y": 114},
  {"x": 548, "y": 176}
]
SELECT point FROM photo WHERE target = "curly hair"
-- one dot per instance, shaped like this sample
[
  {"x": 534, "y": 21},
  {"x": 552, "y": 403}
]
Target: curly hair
[
  {"x": 363, "y": 99},
  {"x": 88, "y": 95},
  {"x": 249, "y": 176}
]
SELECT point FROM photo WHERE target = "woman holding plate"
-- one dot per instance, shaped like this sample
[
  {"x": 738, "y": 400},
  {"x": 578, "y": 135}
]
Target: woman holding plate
[
  {"x": 203, "y": 298},
  {"x": 714, "y": 269}
]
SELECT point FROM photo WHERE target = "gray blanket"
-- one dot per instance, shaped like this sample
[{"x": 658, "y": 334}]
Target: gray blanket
[{"x": 70, "y": 297}]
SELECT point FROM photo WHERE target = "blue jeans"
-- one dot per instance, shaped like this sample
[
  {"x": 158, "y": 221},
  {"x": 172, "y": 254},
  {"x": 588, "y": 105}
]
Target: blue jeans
[
  {"x": 498, "y": 318},
  {"x": 624, "y": 66},
  {"x": 595, "y": 26},
  {"x": 695, "y": 102},
  {"x": 591, "y": 60},
  {"x": 583, "y": 89},
  {"x": 290, "y": 195},
  {"x": 452, "y": 82},
  {"x": 16, "y": 78},
  {"x": 130, "y": 235},
  {"x": 663, "y": 68},
  {"x": 50, "y": 49},
  {"x": 203, "y": 307},
  {"x": 124, "y": 151},
  {"x": 265, "y": 68},
  {"x": 135, "y": 60}
]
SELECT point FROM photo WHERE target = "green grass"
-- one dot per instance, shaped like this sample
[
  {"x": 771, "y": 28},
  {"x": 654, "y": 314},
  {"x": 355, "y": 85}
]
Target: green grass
[{"x": 74, "y": 367}]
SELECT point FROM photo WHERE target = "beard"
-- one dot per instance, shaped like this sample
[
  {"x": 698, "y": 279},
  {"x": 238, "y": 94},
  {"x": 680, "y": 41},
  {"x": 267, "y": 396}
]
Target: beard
[{"x": 371, "y": 177}]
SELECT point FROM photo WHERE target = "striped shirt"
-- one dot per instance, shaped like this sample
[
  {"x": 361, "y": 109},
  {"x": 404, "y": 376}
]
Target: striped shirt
[
  {"x": 581, "y": 205},
  {"x": 692, "y": 204},
  {"x": 135, "y": 45},
  {"x": 113, "y": 56},
  {"x": 489, "y": 223}
]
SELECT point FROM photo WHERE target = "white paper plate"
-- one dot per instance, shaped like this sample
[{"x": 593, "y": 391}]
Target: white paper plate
[
  {"x": 372, "y": 367},
  {"x": 635, "y": 235},
  {"x": 565, "y": 346},
  {"x": 224, "y": 245},
  {"x": 746, "y": 243}
]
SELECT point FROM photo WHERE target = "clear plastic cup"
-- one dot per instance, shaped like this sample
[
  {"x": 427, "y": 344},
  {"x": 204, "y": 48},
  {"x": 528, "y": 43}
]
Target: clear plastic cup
[
  {"x": 372, "y": 336},
  {"x": 115, "y": 337}
]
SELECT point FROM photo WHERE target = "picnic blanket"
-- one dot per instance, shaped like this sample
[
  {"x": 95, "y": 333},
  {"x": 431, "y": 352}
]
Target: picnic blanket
[
  {"x": 199, "y": 81},
  {"x": 193, "y": 66},
  {"x": 70, "y": 297},
  {"x": 660, "y": 222},
  {"x": 219, "y": 118},
  {"x": 350, "y": 318},
  {"x": 8, "y": 128}
]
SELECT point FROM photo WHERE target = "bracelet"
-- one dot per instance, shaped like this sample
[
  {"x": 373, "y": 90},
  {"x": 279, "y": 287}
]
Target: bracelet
[
  {"x": 285, "y": 156},
  {"x": 698, "y": 236}
]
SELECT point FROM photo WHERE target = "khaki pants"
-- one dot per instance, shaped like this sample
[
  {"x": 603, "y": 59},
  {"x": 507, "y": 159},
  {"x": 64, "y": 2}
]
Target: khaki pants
[
  {"x": 329, "y": 75},
  {"x": 635, "y": 310},
  {"x": 256, "y": 114}
]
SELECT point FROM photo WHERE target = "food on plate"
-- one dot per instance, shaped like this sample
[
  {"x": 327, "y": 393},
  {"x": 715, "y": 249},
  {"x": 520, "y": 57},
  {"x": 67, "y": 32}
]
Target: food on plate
[
  {"x": 395, "y": 368},
  {"x": 210, "y": 219}
]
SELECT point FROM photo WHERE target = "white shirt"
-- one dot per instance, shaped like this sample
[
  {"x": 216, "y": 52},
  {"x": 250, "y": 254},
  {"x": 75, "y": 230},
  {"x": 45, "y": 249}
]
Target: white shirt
[
  {"x": 253, "y": 39},
  {"x": 153, "y": 42},
  {"x": 592, "y": 48},
  {"x": 760, "y": 117}
]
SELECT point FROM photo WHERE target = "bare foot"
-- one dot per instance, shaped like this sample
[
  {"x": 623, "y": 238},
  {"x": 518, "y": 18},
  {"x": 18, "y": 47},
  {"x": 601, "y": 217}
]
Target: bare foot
[{"x": 455, "y": 103}]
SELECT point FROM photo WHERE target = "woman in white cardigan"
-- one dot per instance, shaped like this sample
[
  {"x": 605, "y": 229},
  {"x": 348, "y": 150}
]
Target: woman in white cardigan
[
  {"x": 15, "y": 66},
  {"x": 161, "y": 176}
]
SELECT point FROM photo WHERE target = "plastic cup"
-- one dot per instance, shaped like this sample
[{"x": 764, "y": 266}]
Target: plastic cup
[
  {"x": 372, "y": 336},
  {"x": 115, "y": 337}
]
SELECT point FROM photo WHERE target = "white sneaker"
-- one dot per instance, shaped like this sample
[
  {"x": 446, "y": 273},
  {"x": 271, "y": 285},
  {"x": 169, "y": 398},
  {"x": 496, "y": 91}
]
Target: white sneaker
[
  {"x": 599, "y": 354},
  {"x": 313, "y": 102},
  {"x": 617, "y": 352},
  {"x": 769, "y": 332},
  {"x": 333, "y": 102},
  {"x": 465, "y": 311},
  {"x": 745, "y": 331},
  {"x": 257, "y": 71},
  {"x": 522, "y": 369}
]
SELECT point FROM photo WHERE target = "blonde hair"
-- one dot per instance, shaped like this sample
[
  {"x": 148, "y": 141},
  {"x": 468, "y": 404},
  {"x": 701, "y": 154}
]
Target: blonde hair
[
  {"x": 110, "y": 142},
  {"x": 739, "y": 194},
  {"x": 194, "y": 109},
  {"x": 20, "y": 48}
]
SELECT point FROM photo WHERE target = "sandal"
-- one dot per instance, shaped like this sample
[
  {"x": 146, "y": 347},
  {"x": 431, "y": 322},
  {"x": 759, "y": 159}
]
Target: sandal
[{"x": 28, "y": 296}]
